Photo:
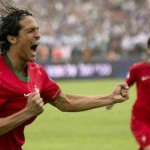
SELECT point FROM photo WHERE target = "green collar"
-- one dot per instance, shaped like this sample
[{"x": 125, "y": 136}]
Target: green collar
[{"x": 25, "y": 79}]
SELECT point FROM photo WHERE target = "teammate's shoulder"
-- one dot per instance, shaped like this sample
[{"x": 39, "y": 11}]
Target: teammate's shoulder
[{"x": 139, "y": 64}]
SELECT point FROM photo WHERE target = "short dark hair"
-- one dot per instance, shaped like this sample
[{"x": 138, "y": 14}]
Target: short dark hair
[
  {"x": 148, "y": 43},
  {"x": 10, "y": 18}
]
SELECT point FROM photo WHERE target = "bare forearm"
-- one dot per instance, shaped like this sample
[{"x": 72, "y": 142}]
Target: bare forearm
[
  {"x": 81, "y": 103},
  {"x": 72, "y": 103},
  {"x": 13, "y": 121}
]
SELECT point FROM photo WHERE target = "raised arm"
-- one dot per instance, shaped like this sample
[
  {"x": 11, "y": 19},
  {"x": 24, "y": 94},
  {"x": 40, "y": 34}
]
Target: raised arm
[
  {"x": 74, "y": 103},
  {"x": 33, "y": 108}
]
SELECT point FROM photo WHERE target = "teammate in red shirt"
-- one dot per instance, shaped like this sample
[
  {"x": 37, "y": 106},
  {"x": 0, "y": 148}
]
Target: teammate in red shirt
[
  {"x": 24, "y": 85},
  {"x": 139, "y": 73}
]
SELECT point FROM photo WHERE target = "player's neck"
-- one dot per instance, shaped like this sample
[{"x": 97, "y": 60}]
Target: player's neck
[{"x": 18, "y": 65}]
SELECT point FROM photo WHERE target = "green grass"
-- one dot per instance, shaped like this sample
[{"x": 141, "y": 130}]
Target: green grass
[{"x": 97, "y": 129}]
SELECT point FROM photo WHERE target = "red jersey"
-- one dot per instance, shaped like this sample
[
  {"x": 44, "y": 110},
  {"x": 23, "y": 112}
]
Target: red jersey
[
  {"x": 139, "y": 73},
  {"x": 13, "y": 91}
]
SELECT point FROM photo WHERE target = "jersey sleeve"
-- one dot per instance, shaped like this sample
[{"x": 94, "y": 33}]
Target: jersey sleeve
[
  {"x": 131, "y": 75},
  {"x": 50, "y": 89}
]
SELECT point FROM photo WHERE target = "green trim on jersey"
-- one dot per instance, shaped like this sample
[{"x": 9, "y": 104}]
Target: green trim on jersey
[{"x": 25, "y": 79}]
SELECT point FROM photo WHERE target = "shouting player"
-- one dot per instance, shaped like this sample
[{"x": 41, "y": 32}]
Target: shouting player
[{"x": 25, "y": 86}]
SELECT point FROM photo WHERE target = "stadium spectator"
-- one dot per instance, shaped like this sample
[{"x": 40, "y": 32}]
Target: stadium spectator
[{"x": 25, "y": 86}]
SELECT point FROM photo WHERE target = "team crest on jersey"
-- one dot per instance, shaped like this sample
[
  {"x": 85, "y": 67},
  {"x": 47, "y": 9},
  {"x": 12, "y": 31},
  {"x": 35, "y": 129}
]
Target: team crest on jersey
[{"x": 35, "y": 89}]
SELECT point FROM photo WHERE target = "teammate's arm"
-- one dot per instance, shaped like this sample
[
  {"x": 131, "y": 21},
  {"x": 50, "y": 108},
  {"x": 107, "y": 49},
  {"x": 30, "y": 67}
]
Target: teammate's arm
[
  {"x": 72, "y": 103},
  {"x": 33, "y": 108}
]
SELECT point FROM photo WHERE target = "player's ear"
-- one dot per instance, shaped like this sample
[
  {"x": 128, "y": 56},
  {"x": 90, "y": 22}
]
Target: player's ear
[{"x": 11, "y": 39}]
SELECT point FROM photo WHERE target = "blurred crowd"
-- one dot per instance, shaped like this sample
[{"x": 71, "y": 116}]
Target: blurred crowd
[{"x": 90, "y": 30}]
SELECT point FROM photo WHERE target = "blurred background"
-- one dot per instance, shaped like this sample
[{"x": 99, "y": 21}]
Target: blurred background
[{"x": 90, "y": 38}]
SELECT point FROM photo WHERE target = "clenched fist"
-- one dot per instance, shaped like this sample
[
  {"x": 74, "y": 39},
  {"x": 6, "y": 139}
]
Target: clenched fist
[
  {"x": 120, "y": 93},
  {"x": 35, "y": 103}
]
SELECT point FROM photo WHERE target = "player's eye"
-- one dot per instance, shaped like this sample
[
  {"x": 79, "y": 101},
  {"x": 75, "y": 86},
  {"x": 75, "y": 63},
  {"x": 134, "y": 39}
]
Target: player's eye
[{"x": 31, "y": 30}]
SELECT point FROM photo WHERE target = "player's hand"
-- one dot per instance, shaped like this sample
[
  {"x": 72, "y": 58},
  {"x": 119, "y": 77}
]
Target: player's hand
[
  {"x": 120, "y": 93},
  {"x": 35, "y": 104}
]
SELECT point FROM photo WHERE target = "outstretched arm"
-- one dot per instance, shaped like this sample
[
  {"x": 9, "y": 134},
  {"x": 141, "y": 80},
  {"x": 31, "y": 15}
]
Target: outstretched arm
[{"x": 74, "y": 103}]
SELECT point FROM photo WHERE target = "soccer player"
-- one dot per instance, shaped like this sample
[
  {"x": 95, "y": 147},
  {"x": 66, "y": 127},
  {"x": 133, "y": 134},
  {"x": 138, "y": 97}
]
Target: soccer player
[
  {"x": 25, "y": 86},
  {"x": 139, "y": 74}
]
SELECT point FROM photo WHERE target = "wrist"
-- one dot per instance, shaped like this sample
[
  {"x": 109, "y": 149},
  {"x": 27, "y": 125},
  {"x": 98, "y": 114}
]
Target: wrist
[
  {"x": 113, "y": 100},
  {"x": 27, "y": 113}
]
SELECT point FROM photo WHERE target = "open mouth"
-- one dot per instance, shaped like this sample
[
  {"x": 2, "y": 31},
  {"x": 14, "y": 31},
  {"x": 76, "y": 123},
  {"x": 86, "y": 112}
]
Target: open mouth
[{"x": 34, "y": 46}]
